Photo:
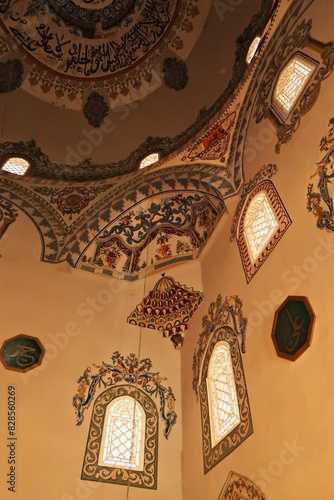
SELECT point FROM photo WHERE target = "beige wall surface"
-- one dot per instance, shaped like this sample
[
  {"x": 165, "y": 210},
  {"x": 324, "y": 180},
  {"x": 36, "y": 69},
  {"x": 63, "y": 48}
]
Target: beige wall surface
[
  {"x": 46, "y": 301},
  {"x": 291, "y": 452}
]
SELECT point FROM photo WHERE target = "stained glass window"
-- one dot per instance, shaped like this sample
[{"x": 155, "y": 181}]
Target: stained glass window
[
  {"x": 260, "y": 225},
  {"x": 252, "y": 49},
  {"x": 149, "y": 160},
  {"x": 123, "y": 434},
  {"x": 222, "y": 394},
  {"x": 18, "y": 166},
  {"x": 291, "y": 82}
]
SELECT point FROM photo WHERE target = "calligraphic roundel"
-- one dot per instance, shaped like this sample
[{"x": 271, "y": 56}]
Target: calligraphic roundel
[{"x": 89, "y": 39}]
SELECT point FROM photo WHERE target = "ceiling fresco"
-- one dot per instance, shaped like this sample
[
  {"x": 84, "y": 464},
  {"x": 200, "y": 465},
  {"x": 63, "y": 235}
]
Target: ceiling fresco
[{"x": 76, "y": 46}]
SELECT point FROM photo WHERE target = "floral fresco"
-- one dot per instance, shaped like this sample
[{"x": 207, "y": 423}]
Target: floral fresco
[
  {"x": 320, "y": 197},
  {"x": 131, "y": 370}
]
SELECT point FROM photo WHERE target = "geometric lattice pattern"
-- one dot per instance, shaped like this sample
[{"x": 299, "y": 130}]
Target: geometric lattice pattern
[
  {"x": 252, "y": 49},
  {"x": 123, "y": 435},
  {"x": 223, "y": 401},
  {"x": 260, "y": 225},
  {"x": 17, "y": 166},
  {"x": 149, "y": 160},
  {"x": 291, "y": 82}
]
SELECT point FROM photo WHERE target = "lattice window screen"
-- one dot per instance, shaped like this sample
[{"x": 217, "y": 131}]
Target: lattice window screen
[
  {"x": 149, "y": 160},
  {"x": 223, "y": 401},
  {"x": 252, "y": 49},
  {"x": 17, "y": 166},
  {"x": 124, "y": 434},
  {"x": 291, "y": 82},
  {"x": 260, "y": 225}
]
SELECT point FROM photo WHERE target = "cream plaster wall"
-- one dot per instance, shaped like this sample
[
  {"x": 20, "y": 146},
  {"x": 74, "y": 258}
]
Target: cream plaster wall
[
  {"x": 291, "y": 453},
  {"x": 42, "y": 300}
]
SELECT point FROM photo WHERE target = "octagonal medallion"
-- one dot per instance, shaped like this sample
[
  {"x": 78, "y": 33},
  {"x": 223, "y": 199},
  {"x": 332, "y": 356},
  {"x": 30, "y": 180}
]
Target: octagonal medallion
[
  {"x": 21, "y": 353},
  {"x": 293, "y": 327}
]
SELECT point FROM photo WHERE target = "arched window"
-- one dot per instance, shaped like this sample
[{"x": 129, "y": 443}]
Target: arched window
[
  {"x": 122, "y": 445},
  {"x": 252, "y": 49},
  {"x": 123, "y": 434},
  {"x": 222, "y": 394},
  {"x": 225, "y": 410},
  {"x": 290, "y": 83},
  {"x": 149, "y": 160},
  {"x": 262, "y": 223},
  {"x": 16, "y": 165}
]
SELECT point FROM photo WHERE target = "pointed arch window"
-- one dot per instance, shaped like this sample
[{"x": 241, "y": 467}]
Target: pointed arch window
[
  {"x": 122, "y": 444},
  {"x": 252, "y": 49},
  {"x": 123, "y": 434},
  {"x": 222, "y": 394},
  {"x": 262, "y": 223},
  {"x": 291, "y": 82}
]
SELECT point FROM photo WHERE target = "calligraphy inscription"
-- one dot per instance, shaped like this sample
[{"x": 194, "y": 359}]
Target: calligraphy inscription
[
  {"x": 21, "y": 353},
  {"x": 293, "y": 328},
  {"x": 43, "y": 39}
]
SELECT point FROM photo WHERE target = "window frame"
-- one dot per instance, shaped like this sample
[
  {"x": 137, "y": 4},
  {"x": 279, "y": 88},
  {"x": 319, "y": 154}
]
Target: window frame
[
  {"x": 250, "y": 266},
  {"x": 107, "y": 429},
  {"x": 4, "y": 160},
  {"x": 213, "y": 426},
  {"x": 212, "y": 455},
  {"x": 92, "y": 470}
]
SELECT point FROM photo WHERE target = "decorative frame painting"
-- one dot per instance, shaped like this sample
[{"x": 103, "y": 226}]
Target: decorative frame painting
[{"x": 21, "y": 353}]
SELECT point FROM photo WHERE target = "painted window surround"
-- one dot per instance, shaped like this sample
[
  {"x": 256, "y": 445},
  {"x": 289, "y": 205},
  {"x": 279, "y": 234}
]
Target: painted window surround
[
  {"x": 212, "y": 455},
  {"x": 94, "y": 470}
]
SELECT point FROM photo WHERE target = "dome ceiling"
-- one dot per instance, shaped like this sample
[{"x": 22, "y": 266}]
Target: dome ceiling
[{"x": 155, "y": 89}]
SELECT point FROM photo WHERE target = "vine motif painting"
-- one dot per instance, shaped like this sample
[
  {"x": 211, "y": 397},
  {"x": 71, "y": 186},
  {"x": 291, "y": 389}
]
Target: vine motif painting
[
  {"x": 131, "y": 371},
  {"x": 320, "y": 198}
]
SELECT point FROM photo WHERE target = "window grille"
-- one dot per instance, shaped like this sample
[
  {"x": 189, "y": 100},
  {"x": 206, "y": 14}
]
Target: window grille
[
  {"x": 18, "y": 166},
  {"x": 149, "y": 160},
  {"x": 291, "y": 82},
  {"x": 252, "y": 49},
  {"x": 124, "y": 433},
  {"x": 260, "y": 225},
  {"x": 223, "y": 401}
]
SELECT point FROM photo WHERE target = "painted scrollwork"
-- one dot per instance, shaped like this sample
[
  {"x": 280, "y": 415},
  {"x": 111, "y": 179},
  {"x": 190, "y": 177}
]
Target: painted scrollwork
[
  {"x": 325, "y": 173},
  {"x": 135, "y": 373},
  {"x": 93, "y": 471},
  {"x": 213, "y": 455}
]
